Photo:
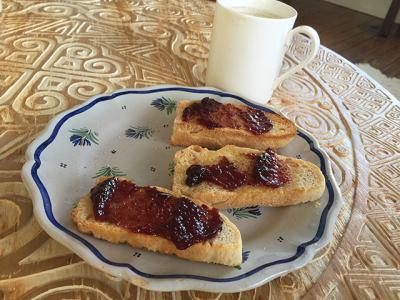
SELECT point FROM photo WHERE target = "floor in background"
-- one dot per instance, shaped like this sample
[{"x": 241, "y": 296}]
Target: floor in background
[{"x": 352, "y": 34}]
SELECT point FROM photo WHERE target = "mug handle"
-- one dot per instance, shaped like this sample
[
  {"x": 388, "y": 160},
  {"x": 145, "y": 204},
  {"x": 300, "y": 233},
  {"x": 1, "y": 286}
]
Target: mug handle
[{"x": 313, "y": 35}]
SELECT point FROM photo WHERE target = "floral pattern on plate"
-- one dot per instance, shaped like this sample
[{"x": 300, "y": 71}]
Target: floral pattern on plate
[
  {"x": 135, "y": 144},
  {"x": 245, "y": 212},
  {"x": 83, "y": 137},
  {"x": 164, "y": 103},
  {"x": 139, "y": 132}
]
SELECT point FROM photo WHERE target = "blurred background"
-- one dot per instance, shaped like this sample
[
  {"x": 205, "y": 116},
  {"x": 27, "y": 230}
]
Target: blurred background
[{"x": 366, "y": 32}]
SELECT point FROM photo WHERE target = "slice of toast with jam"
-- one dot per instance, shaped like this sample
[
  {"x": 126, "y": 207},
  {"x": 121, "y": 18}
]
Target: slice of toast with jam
[
  {"x": 211, "y": 124},
  {"x": 234, "y": 177},
  {"x": 154, "y": 218}
]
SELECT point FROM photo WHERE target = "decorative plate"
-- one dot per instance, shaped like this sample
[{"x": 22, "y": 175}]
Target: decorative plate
[{"x": 127, "y": 134}]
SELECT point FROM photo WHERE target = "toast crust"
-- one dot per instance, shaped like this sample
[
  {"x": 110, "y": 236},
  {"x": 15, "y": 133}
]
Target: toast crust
[
  {"x": 190, "y": 133},
  {"x": 225, "y": 248},
  {"x": 307, "y": 181}
]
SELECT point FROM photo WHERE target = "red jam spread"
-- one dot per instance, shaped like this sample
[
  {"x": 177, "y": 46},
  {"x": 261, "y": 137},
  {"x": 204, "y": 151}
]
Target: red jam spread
[
  {"x": 149, "y": 211},
  {"x": 224, "y": 174},
  {"x": 269, "y": 170},
  {"x": 213, "y": 114},
  {"x": 266, "y": 170}
]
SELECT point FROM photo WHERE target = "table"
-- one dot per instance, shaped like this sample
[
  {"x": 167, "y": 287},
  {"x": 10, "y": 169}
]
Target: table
[
  {"x": 390, "y": 18},
  {"x": 54, "y": 55}
]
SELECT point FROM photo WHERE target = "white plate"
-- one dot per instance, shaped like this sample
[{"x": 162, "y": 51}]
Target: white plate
[{"x": 127, "y": 133}]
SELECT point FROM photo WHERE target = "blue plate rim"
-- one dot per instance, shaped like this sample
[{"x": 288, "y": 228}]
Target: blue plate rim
[{"x": 38, "y": 149}]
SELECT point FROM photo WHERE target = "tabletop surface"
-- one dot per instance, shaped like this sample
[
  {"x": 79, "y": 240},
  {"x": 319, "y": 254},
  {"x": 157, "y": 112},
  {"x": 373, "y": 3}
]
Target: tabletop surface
[{"x": 54, "y": 55}]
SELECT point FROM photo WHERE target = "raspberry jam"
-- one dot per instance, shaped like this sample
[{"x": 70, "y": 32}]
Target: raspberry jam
[
  {"x": 269, "y": 170},
  {"x": 149, "y": 211},
  {"x": 224, "y": 174},
  {"x": 213, "y": 114},
  {"x": 266, "y": 170}
]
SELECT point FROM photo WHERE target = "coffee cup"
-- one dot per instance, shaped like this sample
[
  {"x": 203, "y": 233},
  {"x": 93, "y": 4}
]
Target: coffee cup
[{"x": 248, "y": 43}]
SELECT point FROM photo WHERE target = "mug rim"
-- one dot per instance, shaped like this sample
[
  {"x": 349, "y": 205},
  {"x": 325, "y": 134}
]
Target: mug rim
[{"x": 292, "y": 14}]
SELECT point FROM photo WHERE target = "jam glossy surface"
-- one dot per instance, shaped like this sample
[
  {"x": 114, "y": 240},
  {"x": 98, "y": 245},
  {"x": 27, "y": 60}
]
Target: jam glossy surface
[
  {"x": 146, "y": 210},
  {"x": 213, "y": 114},
  {"x": 266, "y": 169},
  {"x": 224, "y": 174},
  {"x": 269, "y": 170}
]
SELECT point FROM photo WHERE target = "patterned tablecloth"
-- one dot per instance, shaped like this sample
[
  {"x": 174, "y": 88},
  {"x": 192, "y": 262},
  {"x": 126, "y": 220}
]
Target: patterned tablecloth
[{"x": 56, "y": 54}]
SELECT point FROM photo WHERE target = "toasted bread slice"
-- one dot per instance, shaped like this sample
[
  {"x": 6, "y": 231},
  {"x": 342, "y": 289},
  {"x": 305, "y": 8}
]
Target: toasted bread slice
[
  {"x": 306, "y": 184},
  {"x": 191, "y": 133},
  {"x": 225, "y": 248}
]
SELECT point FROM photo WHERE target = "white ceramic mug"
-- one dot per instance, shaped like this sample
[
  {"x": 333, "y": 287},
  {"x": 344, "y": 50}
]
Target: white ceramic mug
[{"x": 248, "y": 43}]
